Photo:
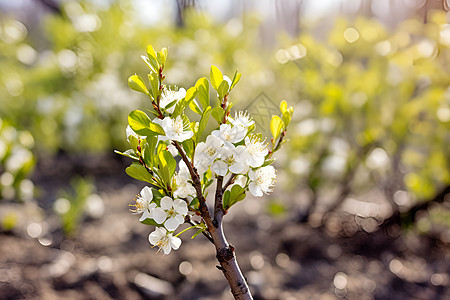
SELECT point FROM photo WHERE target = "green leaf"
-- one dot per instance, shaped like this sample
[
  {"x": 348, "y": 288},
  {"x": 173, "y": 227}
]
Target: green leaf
[
  {"x": 226, "y": 200},
  {"x": 141, "y": 124},
  {"x": 286, "y": 118},
  {"x": 151, "y": 53},
  {"x": 188, "y": 146},
  {"x": 136, "y": 83},
  {"x": 149, "y": 64},
  {"x": 216, "y": 77},
  {"x": 236, "y": 194},
  {"x": 129, "y": 153},
  {"x": 283, "y": 106},
  {"x": 202, "y": 86},
  {"x": 267, "y": 162},
  {"x": 217, "y": 114},
  {"x": 134, "y": 142},
  {"x": 191, "y": 93},
  {"x": 223, "y": 89},
  {"x": 193, "y": 105},
  {"x": 203, "y": 122},
  {"x": 154, "y": 85},
  {"x": 163, "y": 53},
  {"x": 151, "y": 222},
  {"x": 276, "y": 125},
  {"x": 137, "y": 171},
  {"x": 236, "y": 78}
]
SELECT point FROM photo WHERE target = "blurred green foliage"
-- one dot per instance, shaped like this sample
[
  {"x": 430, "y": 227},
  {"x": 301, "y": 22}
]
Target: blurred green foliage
[
  {"x": 71, "y": 206},
  {"x": 16, "y": 162},
  {"x": 373, "y": 104},
  {"x": 376, "y": 110}
]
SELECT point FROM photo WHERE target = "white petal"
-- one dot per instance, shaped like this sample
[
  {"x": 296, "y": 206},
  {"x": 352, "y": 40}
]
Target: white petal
[
  {"x": 156, "y": 235},
  {"x": 180, "y": 219},
  {"x": 166, "y": 202},
  {"x": 255, "y": 190},
  {"x": 166, "y": 248},
  {"x": 144, "y": 215},
  {"x": 180, "y": 206},
  {"x": 159, "y": 215},
  {"x": 237, "y": 168},
  {"x": 255, "y": 161},
  {"x": 171, "y": 224},
  {"x": 184, "y": 136},
  {"x": 220, "y": 168},
  {"x": 147, "y": 194},
  {"x": 175, "y": 242},
  {"x": 167, "y": 123}
]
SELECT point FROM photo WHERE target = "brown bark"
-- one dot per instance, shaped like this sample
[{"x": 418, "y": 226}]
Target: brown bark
[{"x": 224, "y": 251}]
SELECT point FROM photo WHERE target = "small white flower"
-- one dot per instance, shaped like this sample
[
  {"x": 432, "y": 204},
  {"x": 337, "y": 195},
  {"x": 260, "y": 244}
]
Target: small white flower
[
  {"x": 143, "y": 204},
  {"x": 175, "y": 129},
  {"x": 242, "y": 119},
  {"x": 206, "y": 153},
  {"x": 263, "y": 180},
  {"x": 171, "y": 213},
  {"x": 257, "y": 152},
  {"x": 232, "y": 159},
  {"x": 168, "y": 96},
  {"x": 183, "y": 188},
  {"x": 230, "y": 134},
  {"x": 130, "y": 132},
  {"x": 164, "y": 240}
]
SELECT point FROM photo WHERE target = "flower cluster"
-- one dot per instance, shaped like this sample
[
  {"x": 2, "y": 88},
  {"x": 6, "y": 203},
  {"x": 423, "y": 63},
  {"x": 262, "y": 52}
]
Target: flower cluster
[
  {"x": 232, "y": 155},
  {"x": 168, "y": 215}
]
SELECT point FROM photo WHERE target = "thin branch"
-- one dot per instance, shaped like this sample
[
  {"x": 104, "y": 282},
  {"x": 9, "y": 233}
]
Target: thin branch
[
  {"x": 198, "y": 187},
  {"x": 229, "y": 182},
  {"x": 218, "y": 205}
]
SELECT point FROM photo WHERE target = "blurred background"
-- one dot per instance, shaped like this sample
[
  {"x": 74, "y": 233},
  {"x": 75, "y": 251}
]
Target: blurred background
[{"x": 362, "y": 204}]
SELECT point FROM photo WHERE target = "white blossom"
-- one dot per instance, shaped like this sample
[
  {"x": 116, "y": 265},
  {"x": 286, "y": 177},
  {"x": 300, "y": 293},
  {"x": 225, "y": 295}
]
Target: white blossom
[
  {"x": 232, "y": 159},
  {"x": 256, "y": 150},
  {"x": 230, "y": 134},
  {"x": 144, "y": 204},
  {"x": 206, "y": 153},
  {"x": 171, "y": 213},
  {"x": 164, "y": 240},
  {"x": 262, "y": 180},
  {"x": 168, "y": 96},
  {"x": 175, "y": 130},
  {"x": 181, "y": 182},
  {"x": 242, "y": 119}
]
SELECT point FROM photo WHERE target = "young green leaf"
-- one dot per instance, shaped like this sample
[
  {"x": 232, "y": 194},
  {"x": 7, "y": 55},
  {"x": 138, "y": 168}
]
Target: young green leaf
[
  {"x": 217, "y": 114},
  {"x": 151, "y": 222},
  {"x": 223, "y": 89},
  {"x": 141, "y": 124},
  {"x": 154, "y": 85},
  {"x": 236, "y": 78},
  {"x": 202, "y": 86},
  {"x": 188, "y": 146},
  {"x": 283, "y": 106},
  {"x": 286, "y": 118},
  {"x": 203, "y": 122},
  {"x": 137, "y": 171},
  {"x": 276, "y": 125},
  {"x": 129, "y": 153},
  {"x": 236, "y": 194},
  {"x": 136, "y": 83},
  {"x": 216, "y": 77}
]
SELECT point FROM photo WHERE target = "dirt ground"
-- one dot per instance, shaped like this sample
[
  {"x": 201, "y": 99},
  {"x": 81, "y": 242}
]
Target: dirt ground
[{"x": 111, "y": 258}]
